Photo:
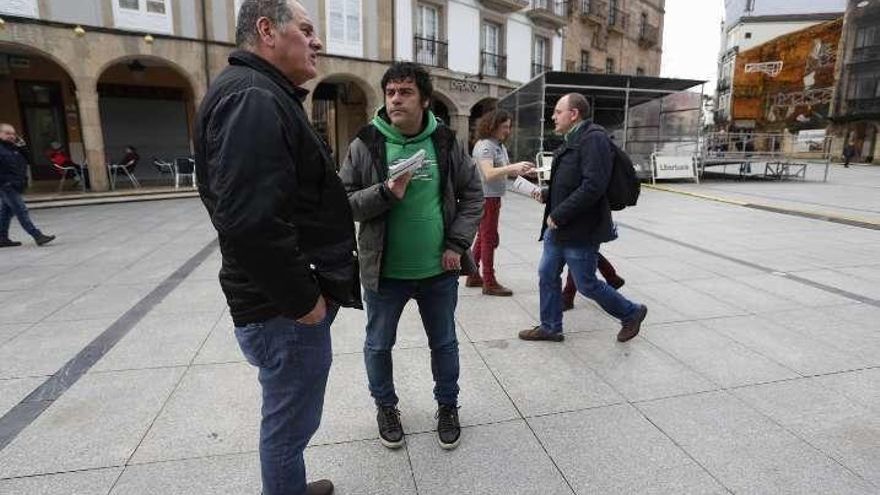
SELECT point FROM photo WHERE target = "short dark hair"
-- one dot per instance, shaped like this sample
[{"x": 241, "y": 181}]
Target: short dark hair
[
  {"x": 277, "y": 11},
  {"x": 577, "y": 101},
  {"x": 490, "y": 122},
  {"x": 403, "y": 71}
]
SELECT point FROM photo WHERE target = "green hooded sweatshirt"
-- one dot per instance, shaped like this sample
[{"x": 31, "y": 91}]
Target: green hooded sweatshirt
[{"x": 415, "y": 237}]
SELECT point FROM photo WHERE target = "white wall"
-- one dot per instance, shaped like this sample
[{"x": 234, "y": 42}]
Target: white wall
[
  {"x": 463, "y": 28},
  {"x": 557, "y": 53},
  {"x": 403, "y": 23},
  {"x": 519, "y": 48},
  {"x": 26, "y": 8},
  {"x": 763, "y": 32}
]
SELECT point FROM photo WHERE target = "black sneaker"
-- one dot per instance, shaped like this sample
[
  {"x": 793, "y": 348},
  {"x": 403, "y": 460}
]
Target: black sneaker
[
  {"x": 448, "y": 427},
  {"x": 9, "y": 243},
  {"x": 390, "y": 429},
  {"x": 43, "y": 239}
]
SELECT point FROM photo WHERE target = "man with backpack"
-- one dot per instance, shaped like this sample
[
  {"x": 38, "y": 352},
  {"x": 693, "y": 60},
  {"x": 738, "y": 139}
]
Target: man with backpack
[{"x": 577, "y": 220}]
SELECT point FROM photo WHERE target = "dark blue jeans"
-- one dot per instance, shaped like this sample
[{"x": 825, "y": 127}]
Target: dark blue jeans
[
  {"x": 11, "y": 203},
  {"x": 581, "y": 261},
  {"x": 437, "y": 298},
  {"x": 294, "y": 362}
]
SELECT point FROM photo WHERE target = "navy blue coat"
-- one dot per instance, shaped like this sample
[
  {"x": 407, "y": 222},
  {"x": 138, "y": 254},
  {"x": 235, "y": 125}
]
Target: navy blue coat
[
  {"x": 13, "y": 167},
  {"x": 576, "y": 198}
]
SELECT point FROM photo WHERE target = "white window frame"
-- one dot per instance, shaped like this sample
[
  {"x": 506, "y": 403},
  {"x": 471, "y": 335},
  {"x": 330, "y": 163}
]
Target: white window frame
[
  {"x": 23, "y": 8},
  {"x": 420, "y": 21},
  {"x": 539, "y": 56},
  {"x": 346, "y": 46},
  {"x": 143, "y": 20}
]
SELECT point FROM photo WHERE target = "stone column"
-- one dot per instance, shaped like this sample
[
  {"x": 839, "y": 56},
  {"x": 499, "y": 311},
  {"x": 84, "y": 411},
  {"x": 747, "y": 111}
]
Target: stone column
[
  {"x": 93, "y": 137},
  {"x": 459, "y": 124}
]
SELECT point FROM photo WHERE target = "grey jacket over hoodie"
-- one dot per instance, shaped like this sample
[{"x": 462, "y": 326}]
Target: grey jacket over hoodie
[{"x": 364, "y": 174}]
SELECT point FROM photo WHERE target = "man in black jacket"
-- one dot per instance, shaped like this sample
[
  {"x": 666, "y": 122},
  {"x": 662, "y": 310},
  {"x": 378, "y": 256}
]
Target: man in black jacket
[
  {"x": 13, "y": 182},
  {"x": 577, "y": 219},
  {"x": 285, "y": 228}
]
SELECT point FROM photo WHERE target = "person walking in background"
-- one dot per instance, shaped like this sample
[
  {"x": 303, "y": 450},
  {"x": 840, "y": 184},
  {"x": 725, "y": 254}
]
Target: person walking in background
[
  {"x": 13, "y": 182},
  {"x": 494, "y": 166}
]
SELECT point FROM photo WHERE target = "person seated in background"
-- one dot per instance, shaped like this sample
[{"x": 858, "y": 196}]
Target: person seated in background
[
  {"x": 130, "y": 159},
  {"x": 60, "y": 158}
]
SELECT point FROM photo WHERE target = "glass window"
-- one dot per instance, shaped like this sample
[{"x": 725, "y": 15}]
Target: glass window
[
  {"x": 156, "y": 6},
  {"x": 428, "y": 23},
  {"x": 491, "y": 37},
  {"x": 585, "y": 61},
  {"x": 129, "y": 4},
  {"x": 540, "y": 50},
  {"x": 344, "y": 27},
  {"x": 609, "y": 65},
  {"x": 640, "y": 71}
]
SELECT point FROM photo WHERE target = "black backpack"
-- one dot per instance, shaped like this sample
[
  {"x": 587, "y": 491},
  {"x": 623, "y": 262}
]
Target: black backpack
[{"x": 624, "y": 186}]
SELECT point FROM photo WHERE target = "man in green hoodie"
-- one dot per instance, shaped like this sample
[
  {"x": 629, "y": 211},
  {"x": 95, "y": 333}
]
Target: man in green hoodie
[{"x": 413, "y": 240}]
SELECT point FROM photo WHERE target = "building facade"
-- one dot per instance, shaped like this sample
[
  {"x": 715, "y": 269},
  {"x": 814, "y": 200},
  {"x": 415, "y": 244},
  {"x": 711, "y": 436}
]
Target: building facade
[
  {"x": 614, "y": 36},
  {"x": 856, "y": 109},
  {"x": 749, "y": 23},
  {"x": 100, "y": 75}
]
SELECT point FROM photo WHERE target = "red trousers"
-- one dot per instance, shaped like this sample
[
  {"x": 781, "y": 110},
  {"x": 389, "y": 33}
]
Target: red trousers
[{"x": 487, "y": 239}]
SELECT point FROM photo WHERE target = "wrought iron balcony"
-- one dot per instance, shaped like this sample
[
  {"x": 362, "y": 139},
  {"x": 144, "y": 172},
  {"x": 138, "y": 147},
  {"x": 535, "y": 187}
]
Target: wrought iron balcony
[
  {"x": 431, "y": 52},
  {"x": 648, "y": 35},
  {"x": 618, "y": 20},
  {"x": 493, "y": 65},
  {"x": 549, "y": 13},
  {"x": 595, "y": 11},
  {"x": 591, "y": 69}
]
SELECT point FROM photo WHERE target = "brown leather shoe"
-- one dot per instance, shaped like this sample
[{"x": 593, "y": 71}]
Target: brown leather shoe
[
  {"x": 496, "y": 289},
  {"x": 631, "y": 328},
  {"x": 473, "y": 281},
  {"x": 320, "y": 487},
  {"x": 539, "y": 333}
]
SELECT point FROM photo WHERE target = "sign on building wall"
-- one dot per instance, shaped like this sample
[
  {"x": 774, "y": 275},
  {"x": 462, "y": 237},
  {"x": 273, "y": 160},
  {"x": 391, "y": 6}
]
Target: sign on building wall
[{"x": 788, "y": 82}]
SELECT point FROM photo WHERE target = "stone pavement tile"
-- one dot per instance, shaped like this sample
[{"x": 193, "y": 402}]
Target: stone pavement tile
[
  {"x": 542, "y": 377},
  {"x": 12, "y": 391},
  {"x": 492, "y": 318},
  {"x": 827, "y": 327},
  {"x": 159, "y": 340},
  {"x": 842, "y": 429},
  {"x": 715, "y": 356},
  {"x": 861, "y": 386},
  {"x": 689, "y": 302},
  {"x": 28, "y": 277},
  {"x": 794, "y": 290},
  {"x": 349, "y": 413},
  {"x": 215, "y": 410},
  {"x": 361, "y": 468},
  {"x": 521, "y": 279},
  {"x": 865, "y": 272},
  {"x": 90, "y": 273},
  {"x": 861, "y": 314},
  {"x": 236, "y": 474},
  {"x": 616, "y": 450},
  {"x": 192, "y": 297},
  {"x": 209, "y": 270},
  {"x": 34, "y": 305},
  {"x": 745, "y": 451},
  {"x": 675, "y": 269},
  {"x": 843, "y": 281},
  {"x": 9, "y": 331},
  {"x": 636, "y": 369},
  {"x": 221, "y": 346},
  {"x": 97, "y": 423},
  {"x": 503, "y": 459},
  {"x": 787, "y": 347},
  {"x": 102, "y": 302},
  {"x": 349, "y": 330},
  {"x": 45, "y": 347},
  {"x": 93, "y": 482},
  {"x": 742, "y": 296},
  {"x": 634, "y": 271},
  {"x": 659, "y": 311}
]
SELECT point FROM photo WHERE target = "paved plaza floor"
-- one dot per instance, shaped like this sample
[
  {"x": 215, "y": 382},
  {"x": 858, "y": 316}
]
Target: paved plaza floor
[{"x": 758, "y": 370}]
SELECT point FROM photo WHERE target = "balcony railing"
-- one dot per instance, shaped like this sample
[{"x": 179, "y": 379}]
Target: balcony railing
[
  {"x": 493, "y": 65},
  {"x": 648, "y": 35},
  {"x": 549, "y": 13},
  {"x": 538, "y": 69},
  {"x": 594, "y": 11},
  {"x": 865, "y": 54},
  {"x": 617, "y": 20},
  {"x": 558, "y": 7},
  {"x": 506, "y": 6},
  {"x": 863, "y": 106},
  {"x": 431, "y": 52}
]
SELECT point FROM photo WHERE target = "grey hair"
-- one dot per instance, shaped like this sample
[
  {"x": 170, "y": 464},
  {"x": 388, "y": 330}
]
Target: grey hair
[{"x": 277, "y": 11}]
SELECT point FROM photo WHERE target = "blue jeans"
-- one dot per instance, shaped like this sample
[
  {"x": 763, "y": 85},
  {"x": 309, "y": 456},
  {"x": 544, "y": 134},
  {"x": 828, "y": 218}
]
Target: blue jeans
[
  {"x": 437, "y": 298},
  {"x": 294, "y": 361},
  {"x": 581, "y": 261},
  {"x": 11, "y": 203}
]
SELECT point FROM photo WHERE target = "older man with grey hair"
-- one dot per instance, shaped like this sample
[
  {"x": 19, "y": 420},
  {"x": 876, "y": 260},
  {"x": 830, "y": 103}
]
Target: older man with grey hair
[{"x": 285, "y": 228}]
